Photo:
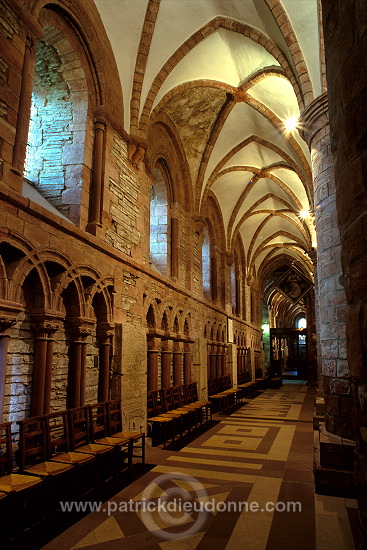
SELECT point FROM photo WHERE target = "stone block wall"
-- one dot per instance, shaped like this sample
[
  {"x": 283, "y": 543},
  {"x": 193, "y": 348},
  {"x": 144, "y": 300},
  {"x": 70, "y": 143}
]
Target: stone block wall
[
  {"x": 68, "y": 264},
  {"x": 345, "y": 26}
]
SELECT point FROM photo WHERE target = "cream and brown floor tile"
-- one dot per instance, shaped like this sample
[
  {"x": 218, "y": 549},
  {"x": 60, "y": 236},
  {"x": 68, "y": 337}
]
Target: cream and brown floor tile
[{"x": 262, "y": 453}]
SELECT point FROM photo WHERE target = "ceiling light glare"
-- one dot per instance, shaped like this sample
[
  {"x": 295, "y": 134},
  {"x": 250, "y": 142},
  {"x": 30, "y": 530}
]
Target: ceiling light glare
[
  {"x": 291, "y": 124},
  {"x": 304, "y": 214}
]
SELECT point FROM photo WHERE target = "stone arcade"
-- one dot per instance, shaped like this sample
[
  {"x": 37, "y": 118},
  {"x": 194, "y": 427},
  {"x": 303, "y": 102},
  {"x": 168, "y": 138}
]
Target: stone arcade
[{"x": 152, "y": 198}]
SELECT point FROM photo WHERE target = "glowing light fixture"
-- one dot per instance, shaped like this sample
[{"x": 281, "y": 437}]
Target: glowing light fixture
[
  {"x": 265, "y": 328},
  {"x": 304, "y": 214},
  {"x": 291, "y": 124}
]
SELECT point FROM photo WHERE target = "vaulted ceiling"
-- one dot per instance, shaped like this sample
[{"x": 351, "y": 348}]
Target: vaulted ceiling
[{"x": 229, "y": 74}]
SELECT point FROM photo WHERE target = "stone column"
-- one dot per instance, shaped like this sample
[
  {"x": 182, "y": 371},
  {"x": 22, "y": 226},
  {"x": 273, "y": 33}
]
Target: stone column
[
  {"x": 187, "y": 363},
  {"x": 153, "y": 354},
  {"x": 177, "y": 363},
  {"x": 252, "y": 362},
  {"x": 96, "y": 193},
  {"x": 174, "y": 246},
  {"x": 313, "y": 327},
  {"x": 219, "y": 362},
  {"x": 167, "y": 349},
  {"x": 224, "y": 359},
  {"x": 214, "y": 278},
  {"x": 77, "y": 366},
  {"x": 213, "y": 361},
  {"x": 232, "y": 362},
  {"x": 24, "y": 107},
  {"x": 331, "y": 294},
  {"x": 105, "y": 336},
  {"x": 42, "y": 368},
  {"x": 200, "y": 369}
]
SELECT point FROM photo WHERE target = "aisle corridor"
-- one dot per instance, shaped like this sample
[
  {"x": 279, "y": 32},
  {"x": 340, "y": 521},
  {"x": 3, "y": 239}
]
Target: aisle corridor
[{"x": 261, "y": 453}]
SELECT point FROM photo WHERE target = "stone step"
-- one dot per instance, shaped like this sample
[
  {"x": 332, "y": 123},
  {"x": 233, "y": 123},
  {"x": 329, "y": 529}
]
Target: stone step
[
  {"x": 335, "y": 452},
  {"x": 331, "y": 481}
]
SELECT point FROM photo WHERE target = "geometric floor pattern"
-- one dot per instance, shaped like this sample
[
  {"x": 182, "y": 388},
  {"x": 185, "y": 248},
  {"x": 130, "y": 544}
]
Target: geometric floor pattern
[{"x": 246, "y": 483}]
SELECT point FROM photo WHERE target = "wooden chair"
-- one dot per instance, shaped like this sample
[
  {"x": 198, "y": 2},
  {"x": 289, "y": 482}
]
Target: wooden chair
[
  {"x": 179, "y": 402},
  {"x": 191, "y": 393},
  {"x": 160, "y": 426},
  {"x": 248, "y": 386},
  {"x": 33, "y": 459},
  {"x": 182, "y": 416},
  {"x": 81, "y": 442},
  {"x": 58, "y": 441},
  {"x": 114, "y": 428},
  {"x": 99, "y": 434},
  {"x": 219, "y": 400},
  {"x": 27, "y": 494}
]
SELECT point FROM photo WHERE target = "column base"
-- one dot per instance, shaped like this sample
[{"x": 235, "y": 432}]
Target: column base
[{"x": 333, "y": 464}]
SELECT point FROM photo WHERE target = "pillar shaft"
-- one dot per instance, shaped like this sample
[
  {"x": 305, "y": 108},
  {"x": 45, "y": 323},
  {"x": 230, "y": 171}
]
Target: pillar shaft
[
  {"x": 177, "y": 363},
  {"x": 174, "y": 246},
  {"x": 44, "y": 331},
  {"x": 105, "y": 334},
  {"x": 153, "y": 355},
  {"x": 187, "y": 364},
  {"x": 166, "y": 365},
  {"x": 24, "y": 108},
  {"x": 97, "y": 176},
  {"x": 79, "y": 331},
  {"x": 330, "y": 291}
]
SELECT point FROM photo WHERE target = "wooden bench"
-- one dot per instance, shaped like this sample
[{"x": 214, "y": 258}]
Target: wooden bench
[
  {"x": 276, "y": 382},
  {"x": 248, "y": 387},
  {"x": 261, "y": 380},
  {"x": 192, "y": 400},
  {"x": 174, "y": 411},
  {"x": 222, "y": 394}
]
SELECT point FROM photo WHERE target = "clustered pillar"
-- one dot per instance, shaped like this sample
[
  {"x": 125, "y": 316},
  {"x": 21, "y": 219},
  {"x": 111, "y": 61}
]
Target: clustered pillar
[
  {"x": 331, "y": 296},
  {"x": 44, "y": 332},
  {"x": 217, "y": 359},
  {"x": 77, "y": 366},
  {"x": 169, "y": 361},
  {"x": 105, "y": 337}
]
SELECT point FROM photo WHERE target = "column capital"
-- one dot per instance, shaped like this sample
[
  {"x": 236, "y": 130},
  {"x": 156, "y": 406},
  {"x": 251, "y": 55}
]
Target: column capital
[
  {"x": 45, "y": 325},
  {"x": 167, "y": 346},
  {"x": 105, "y": 331},
  {"x": 44, "y": 329},
  {"x": 5, "y": 323},
  {"x": 199, "y": 224},
  {"x": 8, "y": 314},
  {"x": 314, "y": 118},
  {"x": 79, "y": 328},
  {"x": 100, "y": 123}
]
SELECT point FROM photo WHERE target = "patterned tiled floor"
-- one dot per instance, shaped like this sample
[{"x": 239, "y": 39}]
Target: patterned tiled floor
[{"x": 260, "y": 454}]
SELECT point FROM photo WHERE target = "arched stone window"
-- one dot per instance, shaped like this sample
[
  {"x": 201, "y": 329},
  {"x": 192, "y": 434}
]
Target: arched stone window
[
  {"x": 159, "y": 219},
  {"x": 206, "y": 264},
  {"x": 56, "y": 137},
  {"x": 301, "y": 322}
]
